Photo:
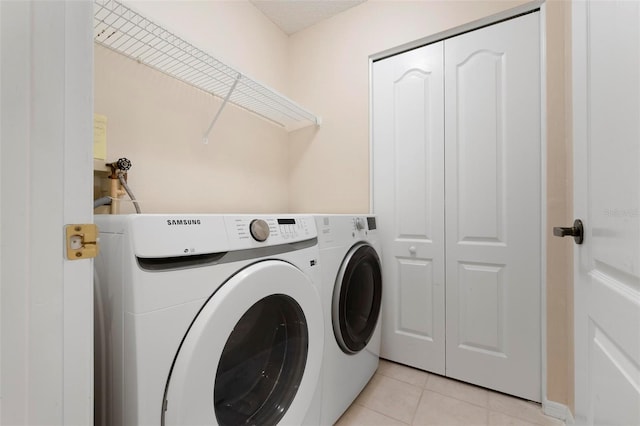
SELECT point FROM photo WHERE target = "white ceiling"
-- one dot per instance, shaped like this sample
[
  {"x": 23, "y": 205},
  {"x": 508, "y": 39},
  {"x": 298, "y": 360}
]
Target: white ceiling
[{"x": 295, "y": 15}]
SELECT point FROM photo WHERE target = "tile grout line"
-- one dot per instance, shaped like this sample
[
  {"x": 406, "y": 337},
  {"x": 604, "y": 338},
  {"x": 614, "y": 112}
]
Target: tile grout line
[
  {"x": 459, "y": 399},
  {"x": 382, "y": 414},
  {"x": 401, "y": 382},
  {"x": 415, "y": 412}
]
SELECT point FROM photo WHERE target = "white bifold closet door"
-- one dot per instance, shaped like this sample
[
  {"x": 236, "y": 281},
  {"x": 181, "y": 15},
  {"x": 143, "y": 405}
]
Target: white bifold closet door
[
  {"x": 492, "y": 186},
  {"x": 457, "y": 189},
  {"x": 408, "y": 164}
]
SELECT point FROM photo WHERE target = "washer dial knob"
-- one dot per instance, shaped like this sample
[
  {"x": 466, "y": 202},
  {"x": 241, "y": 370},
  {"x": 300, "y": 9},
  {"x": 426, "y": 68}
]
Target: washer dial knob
[
  {"x": 359, "y": 224},
  {"x": 259, "y": 230}
]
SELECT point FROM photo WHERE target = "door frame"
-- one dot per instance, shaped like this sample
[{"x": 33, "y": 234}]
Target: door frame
[
  {"x": 46, "y": 339},
  {"x": 551, "y": 408}
]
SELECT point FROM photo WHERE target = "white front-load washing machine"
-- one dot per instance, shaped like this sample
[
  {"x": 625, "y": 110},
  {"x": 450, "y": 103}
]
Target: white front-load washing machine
[
  {"x": 351, "y": 289},
  {"x": 207, "y": 319}
]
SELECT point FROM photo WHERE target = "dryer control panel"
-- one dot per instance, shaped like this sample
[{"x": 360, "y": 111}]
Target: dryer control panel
[
  {"x": 345, "y": 229},
  {"x": 256, "y": 231}
]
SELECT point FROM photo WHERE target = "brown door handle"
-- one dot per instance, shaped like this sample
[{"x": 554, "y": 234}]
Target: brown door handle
[{"x": 576, "y": 231}]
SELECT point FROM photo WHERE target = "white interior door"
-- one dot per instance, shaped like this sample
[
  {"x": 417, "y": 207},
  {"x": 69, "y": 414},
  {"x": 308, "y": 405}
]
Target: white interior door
[
  {"x": 408, "y": 197},
  {"x": 45, "y": 175},
  {"x": 606, "y": 102},
  {"x": 493, "y": 206}
]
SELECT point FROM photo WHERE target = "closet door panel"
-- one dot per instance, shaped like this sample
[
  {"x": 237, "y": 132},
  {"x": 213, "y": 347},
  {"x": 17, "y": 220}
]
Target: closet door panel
[
  {"x": 410, "y": 153},
  {"x": 481, "y": 302},
  {"x": 493, "y": 195},
  {"x": 480, "y": 135},
  {"x": 415, "y": 293},
  {"x": 408, "y": 198}
]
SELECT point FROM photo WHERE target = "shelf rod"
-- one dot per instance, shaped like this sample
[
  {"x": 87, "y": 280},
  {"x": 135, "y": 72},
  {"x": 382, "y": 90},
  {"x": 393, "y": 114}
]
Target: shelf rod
[{"x": 205, "y": 138}]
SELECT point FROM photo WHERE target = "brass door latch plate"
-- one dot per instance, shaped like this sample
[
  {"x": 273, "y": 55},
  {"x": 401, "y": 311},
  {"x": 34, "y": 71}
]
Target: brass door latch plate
[{"x": 82, "y": 241}]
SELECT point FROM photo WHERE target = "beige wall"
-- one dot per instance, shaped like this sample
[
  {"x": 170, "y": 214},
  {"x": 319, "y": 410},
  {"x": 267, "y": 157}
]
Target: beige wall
[
  {"x": 158, "y": 122},
  {"x": 251, "y": 165},
  {"x": 559, "y": 204}
]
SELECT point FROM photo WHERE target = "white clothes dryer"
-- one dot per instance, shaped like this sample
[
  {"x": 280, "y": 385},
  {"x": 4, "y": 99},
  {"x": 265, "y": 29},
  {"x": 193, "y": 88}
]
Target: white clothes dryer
[
  {"x": 351, "y": 290},
  {"x": 207, "y": 319}
]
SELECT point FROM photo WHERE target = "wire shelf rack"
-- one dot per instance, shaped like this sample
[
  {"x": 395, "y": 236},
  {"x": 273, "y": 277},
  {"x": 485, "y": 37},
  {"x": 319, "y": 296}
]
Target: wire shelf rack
[{"x": 125, "y": 31}]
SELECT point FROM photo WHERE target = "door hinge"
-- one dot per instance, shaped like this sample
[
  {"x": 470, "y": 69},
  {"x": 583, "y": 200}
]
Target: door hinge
[{"x": 82, "y": 241}]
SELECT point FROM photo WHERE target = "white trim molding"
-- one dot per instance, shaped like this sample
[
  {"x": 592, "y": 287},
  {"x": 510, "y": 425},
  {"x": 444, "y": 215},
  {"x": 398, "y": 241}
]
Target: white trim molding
[
  {"x": 452, "y": 32},
  {"x": 543, "y": 201},
  {"x": 557, "y": 410}
]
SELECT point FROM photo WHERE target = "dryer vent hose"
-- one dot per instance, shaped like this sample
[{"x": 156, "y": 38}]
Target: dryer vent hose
[{"x": 102, "y": 201}]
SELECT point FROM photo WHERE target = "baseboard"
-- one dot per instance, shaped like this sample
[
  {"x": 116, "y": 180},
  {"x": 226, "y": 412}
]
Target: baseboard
[{"x": 557, "y": 410}]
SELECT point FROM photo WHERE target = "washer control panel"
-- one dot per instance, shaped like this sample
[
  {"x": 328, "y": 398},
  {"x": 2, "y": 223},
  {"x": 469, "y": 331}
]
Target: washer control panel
[
  {"x": 254, "y": 231},
  {"x": 259, "y": 230}
]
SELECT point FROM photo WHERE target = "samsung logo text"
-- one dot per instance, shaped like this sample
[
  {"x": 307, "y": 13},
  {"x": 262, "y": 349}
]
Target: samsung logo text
[{"x": 172, "y": 222}]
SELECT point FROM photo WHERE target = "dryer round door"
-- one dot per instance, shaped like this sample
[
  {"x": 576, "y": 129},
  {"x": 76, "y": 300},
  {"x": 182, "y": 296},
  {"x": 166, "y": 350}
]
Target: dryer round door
[
  {"x": 357, "y": 296},
  {"x": 253, "y": 353}
]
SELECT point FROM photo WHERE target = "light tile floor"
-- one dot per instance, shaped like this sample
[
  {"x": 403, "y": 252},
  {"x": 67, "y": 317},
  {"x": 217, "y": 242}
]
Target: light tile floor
[{"x": 400, "y": 395}]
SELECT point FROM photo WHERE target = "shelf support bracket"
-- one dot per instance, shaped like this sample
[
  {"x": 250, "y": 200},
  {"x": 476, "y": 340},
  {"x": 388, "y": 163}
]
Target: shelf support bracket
[{"x": 205, "y": 138}]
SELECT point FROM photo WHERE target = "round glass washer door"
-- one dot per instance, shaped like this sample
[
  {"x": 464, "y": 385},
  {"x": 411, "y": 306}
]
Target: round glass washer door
[
  {"x": 357, "y": 297},
  {"x": 252, "y": 355}
]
